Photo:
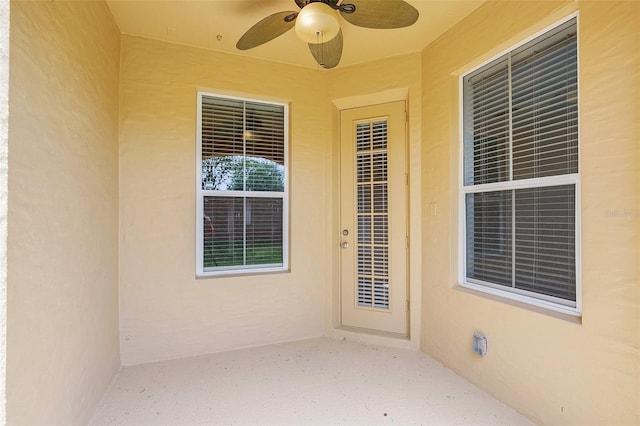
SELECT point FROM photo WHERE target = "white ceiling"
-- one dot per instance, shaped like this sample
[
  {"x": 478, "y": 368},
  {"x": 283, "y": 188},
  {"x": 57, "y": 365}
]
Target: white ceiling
[{"x": 218, "y": 24}]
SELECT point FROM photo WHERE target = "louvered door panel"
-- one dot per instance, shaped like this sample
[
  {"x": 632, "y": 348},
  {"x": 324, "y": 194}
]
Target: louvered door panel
[{"x": 373, "y": 215}]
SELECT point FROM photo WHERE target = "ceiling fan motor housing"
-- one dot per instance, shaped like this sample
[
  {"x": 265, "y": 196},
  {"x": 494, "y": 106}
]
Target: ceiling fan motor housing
[
  {"x": 317, "y": 22},
  {"x": 333, "y": 4}
]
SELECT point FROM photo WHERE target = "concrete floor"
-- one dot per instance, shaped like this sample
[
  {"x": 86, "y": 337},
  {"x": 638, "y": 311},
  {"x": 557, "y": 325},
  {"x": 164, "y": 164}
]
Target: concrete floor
[{"x": 317, "y": 381}]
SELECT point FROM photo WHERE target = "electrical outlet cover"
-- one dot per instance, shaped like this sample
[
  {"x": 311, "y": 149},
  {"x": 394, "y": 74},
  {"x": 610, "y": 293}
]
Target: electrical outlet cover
[{"x": 479, "y": 344}]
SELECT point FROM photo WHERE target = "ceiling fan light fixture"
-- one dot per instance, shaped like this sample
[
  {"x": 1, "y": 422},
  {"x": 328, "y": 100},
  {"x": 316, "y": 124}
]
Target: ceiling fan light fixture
[{"x": 317, "y": 23}]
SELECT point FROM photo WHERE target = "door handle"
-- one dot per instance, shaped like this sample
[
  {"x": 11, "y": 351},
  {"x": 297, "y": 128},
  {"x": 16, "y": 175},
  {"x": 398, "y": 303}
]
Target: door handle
[{"x": 345, "y": 245}]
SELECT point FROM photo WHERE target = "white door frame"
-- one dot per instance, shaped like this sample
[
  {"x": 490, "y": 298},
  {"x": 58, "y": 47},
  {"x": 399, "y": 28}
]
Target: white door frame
[
  {"x": 414, "y": 148},
  {"x": 382, "y": 273}
]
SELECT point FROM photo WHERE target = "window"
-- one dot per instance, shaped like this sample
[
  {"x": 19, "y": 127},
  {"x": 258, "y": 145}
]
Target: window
[
  {"x": 242, "y": 186},
  {"x": 520, "y": 173}
]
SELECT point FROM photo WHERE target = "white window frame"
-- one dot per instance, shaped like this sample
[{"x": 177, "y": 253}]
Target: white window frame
[
  {"x": 201, "y": 193},
  {"x": 523, "y": 296}
]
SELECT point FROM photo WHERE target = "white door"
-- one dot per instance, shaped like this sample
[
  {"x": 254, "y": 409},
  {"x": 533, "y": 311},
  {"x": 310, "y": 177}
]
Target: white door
[{"x": 373, "y": 216}]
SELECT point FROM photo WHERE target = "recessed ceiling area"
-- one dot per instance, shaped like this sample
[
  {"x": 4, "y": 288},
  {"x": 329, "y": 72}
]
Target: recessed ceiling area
[{"x": 219, "y": 24}]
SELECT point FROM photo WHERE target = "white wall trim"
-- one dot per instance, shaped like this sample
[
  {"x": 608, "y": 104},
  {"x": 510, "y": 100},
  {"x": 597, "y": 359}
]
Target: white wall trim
[{"x": 369, "y": 99}]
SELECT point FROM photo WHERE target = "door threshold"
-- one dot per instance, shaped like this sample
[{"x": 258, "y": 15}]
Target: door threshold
[
  {"x": 381, "y": 333},
  {"x": 375, "y": 337}
]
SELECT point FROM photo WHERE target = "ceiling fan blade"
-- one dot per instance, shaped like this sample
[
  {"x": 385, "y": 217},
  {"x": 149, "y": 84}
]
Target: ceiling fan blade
[
  {"x": 382, "y": 14},
  {"x": 266, "y": 30},
  {"x": 301, "y": 3},
  {"x": 328, "y": 54}
]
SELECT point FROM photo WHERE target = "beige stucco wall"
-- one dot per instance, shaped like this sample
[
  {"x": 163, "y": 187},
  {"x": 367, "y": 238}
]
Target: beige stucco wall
[
  {"x": 66, "y": 198},
  {"x": 554, "y": 370},
  {"x": 4, "y": 147},
  {"x": 62, "y": 341},
  {"x": 165, "y": 311}
]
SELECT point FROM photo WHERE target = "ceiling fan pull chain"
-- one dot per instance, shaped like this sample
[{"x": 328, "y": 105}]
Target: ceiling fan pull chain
[{"x": 320, "y": 40}]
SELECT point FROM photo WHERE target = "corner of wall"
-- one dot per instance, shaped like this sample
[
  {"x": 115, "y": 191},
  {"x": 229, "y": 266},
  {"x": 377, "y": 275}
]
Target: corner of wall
[
  {"x": 62, "y": 309},
  {"x": 4, "y": 148}
]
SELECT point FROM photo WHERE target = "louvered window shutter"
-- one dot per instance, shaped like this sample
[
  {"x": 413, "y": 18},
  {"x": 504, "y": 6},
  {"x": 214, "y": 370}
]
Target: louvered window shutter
[{"x": 520, "y": 173}]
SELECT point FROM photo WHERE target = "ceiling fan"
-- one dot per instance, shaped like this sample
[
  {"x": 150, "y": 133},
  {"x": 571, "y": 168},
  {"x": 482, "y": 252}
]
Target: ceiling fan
[{"x": 317, "y": 24}]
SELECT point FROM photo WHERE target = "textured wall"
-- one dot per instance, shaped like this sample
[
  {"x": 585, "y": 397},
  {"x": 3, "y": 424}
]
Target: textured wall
[
  {"x": 62, "y": 348},
  {"x": 4, "y": 145},
  {"x": 553, "y": 370},
  {"x": 165, "y": 312}
]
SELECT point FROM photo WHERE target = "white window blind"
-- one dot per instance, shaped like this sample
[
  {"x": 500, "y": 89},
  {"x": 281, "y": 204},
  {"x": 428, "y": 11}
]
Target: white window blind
[
  {"x": 373, "y": 214},
  {"x": 242, "y": 185},
  {"x": 520, "y": 171}
]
